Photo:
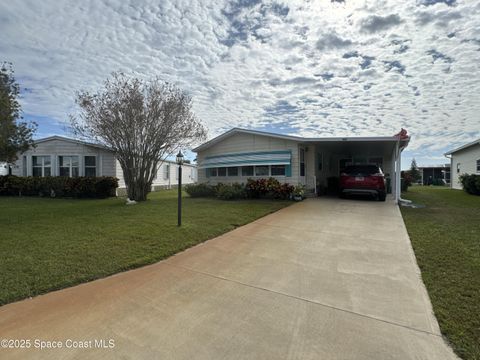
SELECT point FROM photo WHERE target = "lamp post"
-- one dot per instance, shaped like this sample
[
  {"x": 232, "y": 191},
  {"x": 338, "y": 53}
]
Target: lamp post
[{"x": 179, "y": 162}]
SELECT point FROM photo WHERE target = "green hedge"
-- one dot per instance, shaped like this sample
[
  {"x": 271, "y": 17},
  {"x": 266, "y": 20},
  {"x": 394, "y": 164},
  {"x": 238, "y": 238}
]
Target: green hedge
[
  {"x": 200, "y": 190},
  {"x": 58, "y": 186},
  {"x": 231, "y": 191},
  {"x": 470, "y": 183}
]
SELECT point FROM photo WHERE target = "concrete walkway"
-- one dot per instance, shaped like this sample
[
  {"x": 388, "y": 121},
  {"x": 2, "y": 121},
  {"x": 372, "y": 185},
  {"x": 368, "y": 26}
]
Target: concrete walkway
[{"x": 322, "y": 279}]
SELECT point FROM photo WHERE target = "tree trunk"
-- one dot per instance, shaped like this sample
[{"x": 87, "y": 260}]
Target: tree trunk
[{"x": 136, "y": 190}]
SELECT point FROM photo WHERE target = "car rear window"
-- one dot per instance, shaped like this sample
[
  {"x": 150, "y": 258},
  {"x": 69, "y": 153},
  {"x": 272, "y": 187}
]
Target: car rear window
[{"x": 364, "y": 170}]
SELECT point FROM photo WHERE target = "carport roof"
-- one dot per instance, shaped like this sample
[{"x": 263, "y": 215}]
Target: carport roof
[{"x": 299, "y": 139}]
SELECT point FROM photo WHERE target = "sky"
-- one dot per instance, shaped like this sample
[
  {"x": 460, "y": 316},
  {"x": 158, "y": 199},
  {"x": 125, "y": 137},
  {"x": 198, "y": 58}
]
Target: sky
[{"x": 308, "y": 68}]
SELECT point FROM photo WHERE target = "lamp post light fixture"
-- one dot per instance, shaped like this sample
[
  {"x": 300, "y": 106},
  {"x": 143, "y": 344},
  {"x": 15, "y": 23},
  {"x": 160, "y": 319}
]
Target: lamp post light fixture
[{"x": 179, "y": 162}]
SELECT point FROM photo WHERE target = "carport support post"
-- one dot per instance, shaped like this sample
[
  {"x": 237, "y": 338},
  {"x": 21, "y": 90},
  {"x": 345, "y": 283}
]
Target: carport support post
[{"x": 398, "y": 171}]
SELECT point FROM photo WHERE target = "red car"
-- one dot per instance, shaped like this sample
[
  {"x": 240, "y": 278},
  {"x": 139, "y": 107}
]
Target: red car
[{"x": 363, "y": 179}]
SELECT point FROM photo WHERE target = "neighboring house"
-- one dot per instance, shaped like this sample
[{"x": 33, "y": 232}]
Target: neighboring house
[
  {"x": 464, "y": 160},
  {"x": 61, "y": 156},
  {"x": 240, "y": 154},
  {"x": 433, "y": 174},
  {"x": 4, "y": 169}
]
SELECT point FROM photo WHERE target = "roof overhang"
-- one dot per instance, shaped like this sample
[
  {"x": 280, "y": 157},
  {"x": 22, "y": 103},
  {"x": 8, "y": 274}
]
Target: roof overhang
[
  {"x": 463, "y": 147},
  {"x": 388, "y": 139},
  {"x": 75, "y": 141}
]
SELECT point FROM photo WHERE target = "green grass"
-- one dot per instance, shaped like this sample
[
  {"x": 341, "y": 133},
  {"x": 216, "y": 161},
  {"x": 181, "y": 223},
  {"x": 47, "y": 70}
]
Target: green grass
[
  {"x": 446, "y": 239},
  {"x": 49, "y": 244}
]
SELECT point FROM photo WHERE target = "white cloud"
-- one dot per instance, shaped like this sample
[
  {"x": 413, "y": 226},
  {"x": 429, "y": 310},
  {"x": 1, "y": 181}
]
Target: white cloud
[{"x": 251, "y": 64}]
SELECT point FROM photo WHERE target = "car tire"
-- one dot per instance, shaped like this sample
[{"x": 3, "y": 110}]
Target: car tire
[
  {"x": 382, "y": 196},
  {"x": 341, "y": 194}
]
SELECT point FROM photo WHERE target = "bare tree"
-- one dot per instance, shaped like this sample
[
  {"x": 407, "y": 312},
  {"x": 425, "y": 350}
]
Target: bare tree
[{"x": 142, "y": 121}]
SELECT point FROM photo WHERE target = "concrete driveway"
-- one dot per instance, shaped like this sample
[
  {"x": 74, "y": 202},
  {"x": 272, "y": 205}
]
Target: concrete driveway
[{"x": 322, "y": 279}]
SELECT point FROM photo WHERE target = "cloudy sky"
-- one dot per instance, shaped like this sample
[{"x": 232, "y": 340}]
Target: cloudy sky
[{"x": 311, "y": 68}]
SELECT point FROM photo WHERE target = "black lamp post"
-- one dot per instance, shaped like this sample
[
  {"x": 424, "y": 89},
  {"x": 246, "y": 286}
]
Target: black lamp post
[{"x": 179, "y": 162}]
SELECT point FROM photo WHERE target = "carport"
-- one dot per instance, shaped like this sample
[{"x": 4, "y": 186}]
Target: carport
[{"x": 327, "y": 156}]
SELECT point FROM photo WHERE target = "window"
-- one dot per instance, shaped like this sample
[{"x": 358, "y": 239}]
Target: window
[
  {"x": 41, "y": 166},
  {"x": 458, "y": 168},
  {"x": 302, "y": 162},
  {"x": 90, "y": 166},
  {"x": 68, "y": 165},
  {"x": 166, "y": 174},
  {"x": 247, "y": 170},
  {"x": 478, "y": 165},
  {"x": 222, "y": 171},
  {"x": 212, "y": 172},
  {"x": 278, "y": 170},
  {"x": 24, "y": 165},
  {"x": 232, "y": 171},
  {"x": 261, "y": 171}
]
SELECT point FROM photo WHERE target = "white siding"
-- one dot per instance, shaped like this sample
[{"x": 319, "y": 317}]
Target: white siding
[
  {"x": 119, "y": 174},
  {"x": 189, "y": 174},
  {"x": 59, "y": 147},
  {"x": 464, "y": 162},
  {"x": 249, "y": 143}
]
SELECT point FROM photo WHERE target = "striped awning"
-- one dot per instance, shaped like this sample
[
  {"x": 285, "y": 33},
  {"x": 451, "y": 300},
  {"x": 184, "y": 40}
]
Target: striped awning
[{"x": 279, "y": 157}]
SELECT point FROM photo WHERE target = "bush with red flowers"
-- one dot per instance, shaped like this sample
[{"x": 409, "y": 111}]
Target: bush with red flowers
[{"x": 268, "y": 188}]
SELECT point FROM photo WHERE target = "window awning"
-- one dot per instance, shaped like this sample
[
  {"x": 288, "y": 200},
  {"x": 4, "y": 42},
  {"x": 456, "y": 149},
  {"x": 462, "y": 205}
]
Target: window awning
[{"x": 279, "y": 157}]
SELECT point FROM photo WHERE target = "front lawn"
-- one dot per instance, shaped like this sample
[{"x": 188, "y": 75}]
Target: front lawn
[
  {"x": 446, "y": 239},
  {"x": 48, "y": 244}
]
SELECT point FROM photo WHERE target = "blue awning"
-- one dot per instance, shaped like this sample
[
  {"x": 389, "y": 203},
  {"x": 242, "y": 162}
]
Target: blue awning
[{"x": 279, "y": 157}]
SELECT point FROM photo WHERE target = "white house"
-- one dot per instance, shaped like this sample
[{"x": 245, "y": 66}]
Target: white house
[
  {"x": 464, "y": 160},
  {"x": 240, "y": 154},
  {"x": 61, "y": 156}
]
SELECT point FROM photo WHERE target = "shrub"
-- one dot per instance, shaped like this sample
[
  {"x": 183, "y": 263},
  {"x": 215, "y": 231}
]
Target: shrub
[
  {"x": 200, "y": 190},
  {"x": 270, "y": 188},
  {"x": 259, "y": 188},
  {"x": 299, "y": 190},
  {"x": 470, "y": 183},
  {"x": 407, "y": 178},
  {"x": 256, "y": 188},
  {"x": 58, "y": 186},
  {"x": 284, "y": 191},
  {"x": 231, "y": 191}
]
